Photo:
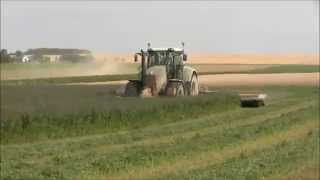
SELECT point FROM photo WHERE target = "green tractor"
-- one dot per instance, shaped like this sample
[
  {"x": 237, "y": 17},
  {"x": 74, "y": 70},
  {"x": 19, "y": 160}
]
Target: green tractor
[{"x": 163, "y": 72}]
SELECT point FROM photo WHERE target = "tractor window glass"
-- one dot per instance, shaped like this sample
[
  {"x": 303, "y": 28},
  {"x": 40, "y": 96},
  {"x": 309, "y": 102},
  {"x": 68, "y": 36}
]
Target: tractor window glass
[
  {"x": 178, "y": 60},
  {"x": 169, "y": 59},
  {"x": 150, "y": 60},
  {"x": 163, "y": 59},
  {"x": 153, "y": 59}
]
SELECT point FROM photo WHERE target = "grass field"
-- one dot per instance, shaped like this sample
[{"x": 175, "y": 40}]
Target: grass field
[
  {"x": 205, "y": 137},
  {"x": 53, "y": 130},
  {"x": 49, "y": 112},
  {"x": 255, "y": 69}
]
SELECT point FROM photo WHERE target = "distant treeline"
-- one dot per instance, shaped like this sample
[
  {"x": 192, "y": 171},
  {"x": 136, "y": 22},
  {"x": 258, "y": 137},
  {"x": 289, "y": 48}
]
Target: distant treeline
[
  {"x": 6, "y": 58},
  {"x": 56, "y": 51},
  {"x": 46, "y": 55}
]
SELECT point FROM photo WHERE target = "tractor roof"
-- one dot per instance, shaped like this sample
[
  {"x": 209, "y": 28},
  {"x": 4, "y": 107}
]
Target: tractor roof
[{"x": 166, "y": 49}]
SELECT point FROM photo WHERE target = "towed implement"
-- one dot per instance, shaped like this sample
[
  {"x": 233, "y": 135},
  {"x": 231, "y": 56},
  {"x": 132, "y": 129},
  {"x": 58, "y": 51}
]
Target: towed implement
[{"x": 252, "y": 99}]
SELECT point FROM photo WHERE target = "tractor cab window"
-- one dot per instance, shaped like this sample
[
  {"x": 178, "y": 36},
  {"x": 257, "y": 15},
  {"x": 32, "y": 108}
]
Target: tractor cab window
[
  {"x": 168, "y": 59},
  {"x": 178, "y": 60},
  {"x": 153, "y": 59},
  {"x": 178, "y": 66},
  {"x": 157, "y": 58},
  {"x": 163, "y": 58}
]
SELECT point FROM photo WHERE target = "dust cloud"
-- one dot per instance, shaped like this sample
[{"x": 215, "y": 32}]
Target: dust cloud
[{"x": 99, "y": 66}]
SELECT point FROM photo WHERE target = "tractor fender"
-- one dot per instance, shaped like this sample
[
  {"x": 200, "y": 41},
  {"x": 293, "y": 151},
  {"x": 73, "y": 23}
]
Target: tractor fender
[{"x": 188, "y": 72}]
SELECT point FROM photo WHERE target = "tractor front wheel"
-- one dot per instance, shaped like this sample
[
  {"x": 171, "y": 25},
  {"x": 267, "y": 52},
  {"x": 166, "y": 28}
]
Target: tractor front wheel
[{"x": 132, "y": 89}]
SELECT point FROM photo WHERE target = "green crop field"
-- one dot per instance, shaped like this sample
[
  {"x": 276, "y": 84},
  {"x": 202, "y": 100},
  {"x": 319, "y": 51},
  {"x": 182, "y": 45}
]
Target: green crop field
[
  {"x": 50, "y": 130},
  {"x": 255, "y": 69},
  {"x": 85, "y": 132}
]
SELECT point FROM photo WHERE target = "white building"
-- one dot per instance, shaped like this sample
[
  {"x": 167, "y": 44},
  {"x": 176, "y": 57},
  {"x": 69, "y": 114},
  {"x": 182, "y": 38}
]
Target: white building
[
  {"x": 26, "y": 58},
  {"x": 52, "y": 58}
]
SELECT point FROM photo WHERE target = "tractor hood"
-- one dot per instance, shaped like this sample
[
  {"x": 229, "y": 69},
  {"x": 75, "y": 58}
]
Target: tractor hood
[{"x": 156, "y": 79}]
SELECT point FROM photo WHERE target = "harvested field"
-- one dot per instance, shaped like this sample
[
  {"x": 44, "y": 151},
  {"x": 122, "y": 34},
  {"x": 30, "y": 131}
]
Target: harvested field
[
  {"x": 211, "y": 58},
  {"x": 202, "y": 58},
  {"x": 60, "y": 73},
  {"x": 116, "y": 64}
]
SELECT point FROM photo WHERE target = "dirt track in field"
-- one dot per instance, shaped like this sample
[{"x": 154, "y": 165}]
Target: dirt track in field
[
  {"x": 100, "y": 83},
  {"x": 260, "y": 79}
]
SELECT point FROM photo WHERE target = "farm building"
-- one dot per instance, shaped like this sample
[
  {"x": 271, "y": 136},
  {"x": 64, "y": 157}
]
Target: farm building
[
  {"x": 57, "y": 55},
  {"x": 12, "y": 55},
  {"x": 51, "y": 58}
]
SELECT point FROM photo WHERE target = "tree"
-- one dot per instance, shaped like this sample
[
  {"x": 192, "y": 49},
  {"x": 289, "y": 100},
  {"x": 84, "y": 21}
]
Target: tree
[
  {"x": 4, "y": 56},
  {"x": 19, "y": 54}
]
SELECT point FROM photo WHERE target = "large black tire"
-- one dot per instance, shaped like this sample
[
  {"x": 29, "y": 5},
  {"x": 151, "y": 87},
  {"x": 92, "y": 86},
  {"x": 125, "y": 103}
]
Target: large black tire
[
  {"x": 132, "y": 89},
  {"x": 260, "y": 103},
  {"x": 252, "y": 103},
  {"x": 175, "y": 89},
  {"x": 194, "y": 86}
]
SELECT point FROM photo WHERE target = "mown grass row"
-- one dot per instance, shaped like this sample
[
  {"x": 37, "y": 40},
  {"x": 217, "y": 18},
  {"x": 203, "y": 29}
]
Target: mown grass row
[
  {"x": 80, "y": 160},
  {"x": 164, "y": 133},
  {"x": 282, "y": 158},
  {"x": 73, "y": 153},
  {"x": 95, "y": 115},
  {"x": 34, "y": 127},
  {"x": 181, "y": 154},
  {"x": 307, "y": 169},
  {"x": 34, "y": 113}
]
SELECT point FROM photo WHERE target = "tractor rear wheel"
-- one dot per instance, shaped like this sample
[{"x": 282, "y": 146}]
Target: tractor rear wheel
[
  {"x": 175, "y": 89},
  {"x": 132, "y": 89},
  {"x": 194, "y": 87}
]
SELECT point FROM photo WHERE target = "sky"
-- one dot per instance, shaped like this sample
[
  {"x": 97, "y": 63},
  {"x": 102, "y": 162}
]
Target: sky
[{"x": 126, "y": 26}]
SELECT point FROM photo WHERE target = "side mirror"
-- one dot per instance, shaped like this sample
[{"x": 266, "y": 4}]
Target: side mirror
[
  {"x": 185, "y": 57},
  {"x": 135, "y": 58}
]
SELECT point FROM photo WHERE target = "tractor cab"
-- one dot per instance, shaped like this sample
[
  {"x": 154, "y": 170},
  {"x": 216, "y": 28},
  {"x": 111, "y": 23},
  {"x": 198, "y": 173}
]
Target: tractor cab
[
  {"x": 163, "y": 72},
  {"x": 171, "y": 58},
  {"x": 164, "y": 56}
]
